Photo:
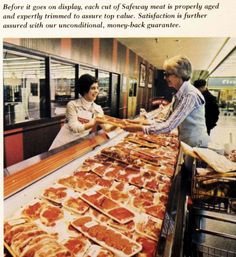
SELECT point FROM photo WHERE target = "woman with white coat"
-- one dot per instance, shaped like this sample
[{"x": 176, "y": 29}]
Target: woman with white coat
[{"x": 80, "y": 113}]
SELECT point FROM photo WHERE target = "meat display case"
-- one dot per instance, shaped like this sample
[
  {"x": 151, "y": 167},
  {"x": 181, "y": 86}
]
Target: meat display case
[{"x": 170, "y": 241}]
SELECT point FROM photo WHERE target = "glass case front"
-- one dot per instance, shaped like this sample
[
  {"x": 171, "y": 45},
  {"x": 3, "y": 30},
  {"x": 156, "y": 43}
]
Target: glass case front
[
  {"x": 62, "y": 86},
  {"x": 86, "y": 70},
  {"x": 103, "y": 98},
  {"x": 23, "y": 76}
]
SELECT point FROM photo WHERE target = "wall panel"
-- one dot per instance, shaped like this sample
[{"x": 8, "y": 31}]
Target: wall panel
[
  {"x": 82, "y": 50},
  {"x": 35, "y": 141},
  {"x": 48, "y": 45},
  {"x": 66, "y": 47},
  {"x": 121, "y": 53},
  {"x": 13, "y": 147},
  {"x": 106, "y": 51},
  {"x": 132, "y": 59}
]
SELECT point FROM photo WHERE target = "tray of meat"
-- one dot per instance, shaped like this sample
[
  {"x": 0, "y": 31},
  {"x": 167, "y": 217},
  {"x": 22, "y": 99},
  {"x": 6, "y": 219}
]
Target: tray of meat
[
  {"x": 77, "y": 245},
  {"x": 46, "y": 213},
  {"x": 148, "y": 226},
  {"x": 115, "y": 194},
  {"x": 107, "y": 237},
  {"x": 75, "y": 204},
  {"x": 106, "y": 205},
  {"x": 73, "y": 183},
  {"x": 24, "y": 238},
  {"x": 57, "y": 193}
]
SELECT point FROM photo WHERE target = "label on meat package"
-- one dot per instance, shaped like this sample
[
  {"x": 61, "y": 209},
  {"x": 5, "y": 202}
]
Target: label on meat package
[
  {"x": 90, "y": 224},
  {"x": 148, "y": 226},
  {"x": 18, "y": 221},
  {"x": 98, "y": 251},
  {"x": 90, "y": 192}
]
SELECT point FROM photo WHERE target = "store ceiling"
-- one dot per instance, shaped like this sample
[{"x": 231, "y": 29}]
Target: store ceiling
[{"x": 206, "y": 54}]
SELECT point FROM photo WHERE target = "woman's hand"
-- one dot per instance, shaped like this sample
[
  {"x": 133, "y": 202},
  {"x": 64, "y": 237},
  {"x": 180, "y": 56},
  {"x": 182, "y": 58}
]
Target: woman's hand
[
  {"x": 138, "y": 121},
  {"x": 133, "y": 127},
  {"x": 90, "y": 124}
]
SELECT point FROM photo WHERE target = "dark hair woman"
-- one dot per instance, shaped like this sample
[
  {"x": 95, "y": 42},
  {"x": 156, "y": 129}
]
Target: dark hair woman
[
  {"x": 84, "y": 83},
  {"x": 80, "y": 113}
]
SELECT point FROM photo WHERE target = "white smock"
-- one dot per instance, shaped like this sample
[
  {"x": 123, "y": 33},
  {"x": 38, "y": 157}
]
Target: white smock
[{"x": 78, "y": 112}]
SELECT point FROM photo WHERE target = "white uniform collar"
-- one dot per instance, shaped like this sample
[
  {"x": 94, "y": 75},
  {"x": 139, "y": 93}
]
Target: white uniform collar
[
  {"x": 89, "y": 106},
  {"x": 86, "y": 103}
]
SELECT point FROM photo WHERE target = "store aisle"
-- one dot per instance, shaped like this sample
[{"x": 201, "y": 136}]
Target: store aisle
[{"x": 226, "y": 125}]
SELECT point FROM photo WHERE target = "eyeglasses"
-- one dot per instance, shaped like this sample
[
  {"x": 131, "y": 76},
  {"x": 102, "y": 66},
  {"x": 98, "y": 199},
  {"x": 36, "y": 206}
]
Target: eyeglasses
[{"x": 167, "y": 74}]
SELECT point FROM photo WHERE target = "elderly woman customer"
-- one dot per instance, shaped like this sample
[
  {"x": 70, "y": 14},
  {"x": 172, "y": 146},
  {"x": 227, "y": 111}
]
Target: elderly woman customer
[
  {"x": 80, "y": 113},
  {"x": 188, "y": 110}
]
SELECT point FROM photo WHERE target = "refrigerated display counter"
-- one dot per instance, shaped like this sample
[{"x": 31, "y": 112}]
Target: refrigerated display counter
[{"x": 120, "y": 186}]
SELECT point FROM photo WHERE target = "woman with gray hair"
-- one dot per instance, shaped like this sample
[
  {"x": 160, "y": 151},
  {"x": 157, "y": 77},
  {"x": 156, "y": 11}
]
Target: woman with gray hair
[{"x": 188, "y": 110}]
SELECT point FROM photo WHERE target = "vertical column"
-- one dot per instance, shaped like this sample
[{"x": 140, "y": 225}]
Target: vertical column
[
  {"x": 127, "y": 62},
  {"x": 115, "y": 88},
  {"x": 66, "y": 47},
  {"x": 136, "y": 68},
  {"x": 136, "y": 74},
  {"x": 125, "y": 110},
  {"x": 114, "y": 54},
  {"x": 96, "y": 51},
  {"x": 44, "y": 88}
]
